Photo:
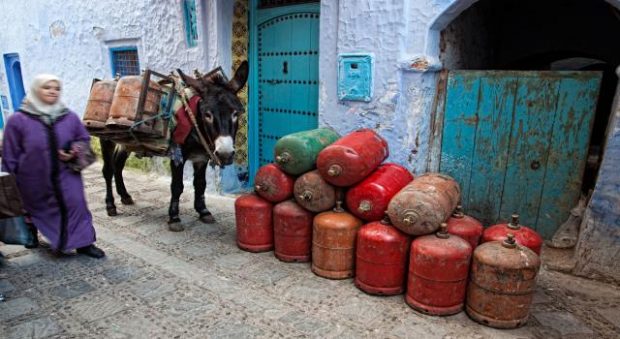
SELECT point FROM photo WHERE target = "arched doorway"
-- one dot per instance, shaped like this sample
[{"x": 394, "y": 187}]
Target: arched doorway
[{"x": 528, "y": 165}]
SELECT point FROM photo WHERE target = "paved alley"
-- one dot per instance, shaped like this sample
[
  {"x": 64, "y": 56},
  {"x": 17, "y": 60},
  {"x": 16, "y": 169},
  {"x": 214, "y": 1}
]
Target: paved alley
[{"x": 197, "y": 283}]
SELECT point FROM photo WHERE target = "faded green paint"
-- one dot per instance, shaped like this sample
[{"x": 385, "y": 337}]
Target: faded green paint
[
  {"x": 296, "y": 153},
  {"x": 517, "y": 142}
]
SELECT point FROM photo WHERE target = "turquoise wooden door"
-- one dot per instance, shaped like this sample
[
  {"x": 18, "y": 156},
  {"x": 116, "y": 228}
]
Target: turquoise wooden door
[
  {"x": 517, "y": 142},
  {"x": 285, "y": 84}
]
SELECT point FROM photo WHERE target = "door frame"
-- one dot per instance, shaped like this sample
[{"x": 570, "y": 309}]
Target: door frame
[{"x": 255, "y": 18}]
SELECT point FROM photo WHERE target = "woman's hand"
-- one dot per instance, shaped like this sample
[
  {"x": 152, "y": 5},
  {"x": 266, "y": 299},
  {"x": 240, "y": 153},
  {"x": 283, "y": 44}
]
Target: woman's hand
[{"x": 66, "y": 155}]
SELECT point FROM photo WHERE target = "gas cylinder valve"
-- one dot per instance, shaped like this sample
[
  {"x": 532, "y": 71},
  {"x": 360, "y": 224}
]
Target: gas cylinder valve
[{"x": 334, "y": 170}]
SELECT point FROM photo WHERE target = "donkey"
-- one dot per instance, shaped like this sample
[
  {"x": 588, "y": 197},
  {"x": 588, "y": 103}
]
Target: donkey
[{"x": 217, "y": 117}]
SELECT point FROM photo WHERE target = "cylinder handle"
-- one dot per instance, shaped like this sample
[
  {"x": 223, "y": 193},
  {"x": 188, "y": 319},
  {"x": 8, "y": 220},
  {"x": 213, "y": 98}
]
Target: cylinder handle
[
  {"x": 283, "y": 158},
  {"x": 365, "y": 206},
  {"x": 509, "y": 242},
  {"x": 514, "y": 223},
  {"x": 443, "y": 231},
  {"x": 306, "y": 196},
  {"x": 334, "y": 170},
  {"x": 458, "y": 212}
]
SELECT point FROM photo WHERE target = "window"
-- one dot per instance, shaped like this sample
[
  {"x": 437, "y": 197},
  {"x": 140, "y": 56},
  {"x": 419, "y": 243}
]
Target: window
[
  {"x": 191, "y": 27},
  {"x": 277, "y": 3},
  {"x": 125, "y": 61}
]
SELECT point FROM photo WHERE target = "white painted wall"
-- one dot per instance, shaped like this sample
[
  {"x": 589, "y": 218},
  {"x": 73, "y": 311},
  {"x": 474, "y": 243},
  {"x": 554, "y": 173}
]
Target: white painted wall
[{"x": 72, "y": 38}]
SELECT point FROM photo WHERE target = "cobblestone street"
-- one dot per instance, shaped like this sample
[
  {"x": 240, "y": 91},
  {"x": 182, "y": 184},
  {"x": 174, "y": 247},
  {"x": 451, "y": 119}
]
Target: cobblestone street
[{"x": 197, "y": 283}]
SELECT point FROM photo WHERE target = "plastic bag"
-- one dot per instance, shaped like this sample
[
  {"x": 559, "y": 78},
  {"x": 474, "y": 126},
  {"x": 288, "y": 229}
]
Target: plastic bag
[{"x": 14, "y": 231}]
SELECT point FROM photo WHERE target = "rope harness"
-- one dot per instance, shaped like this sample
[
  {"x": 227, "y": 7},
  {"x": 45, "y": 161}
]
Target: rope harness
[{"x": 206, "y": 143}]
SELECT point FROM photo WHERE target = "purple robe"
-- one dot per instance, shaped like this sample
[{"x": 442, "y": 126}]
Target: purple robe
[{"x": 53, "y": 193}]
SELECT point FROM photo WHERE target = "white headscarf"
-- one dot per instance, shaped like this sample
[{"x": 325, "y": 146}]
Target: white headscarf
[{"x": 32, "y": 104}]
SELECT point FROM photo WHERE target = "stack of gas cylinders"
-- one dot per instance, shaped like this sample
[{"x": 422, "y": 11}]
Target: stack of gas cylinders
[{"x": 331, "y": 201}]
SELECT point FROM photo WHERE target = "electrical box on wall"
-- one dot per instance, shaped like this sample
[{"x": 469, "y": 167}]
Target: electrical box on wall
[{"x": 355, "y": 76}]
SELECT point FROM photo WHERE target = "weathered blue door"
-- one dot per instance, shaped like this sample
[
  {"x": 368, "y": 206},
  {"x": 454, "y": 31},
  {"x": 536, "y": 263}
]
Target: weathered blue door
[
  {"x": 14, "y": 75},
  {"x": 517, "y": 142},
  {"x": 285, "y": 82}
]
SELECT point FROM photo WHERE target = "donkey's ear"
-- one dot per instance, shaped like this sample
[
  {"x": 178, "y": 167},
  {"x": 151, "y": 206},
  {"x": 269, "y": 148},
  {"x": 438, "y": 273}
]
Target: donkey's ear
[
  {"x": 192, "y": 82},
  {"x": 241, "y": 76}
]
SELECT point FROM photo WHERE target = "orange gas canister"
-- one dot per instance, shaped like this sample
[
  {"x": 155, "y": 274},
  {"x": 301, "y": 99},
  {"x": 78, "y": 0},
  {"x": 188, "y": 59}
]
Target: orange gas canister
[
  {"x": 313, "y": 193},
  {"x": 333, "y": 243},
  {"x": 523, "y": 235},
  {"x": 353, "y": 157},
  {"x": 273, "y": 184},
  {"x": 381, "y": 258},
  {"x": 465, "y": 227},
  {"x": 369, "y": 199},
  {"x": 438, "y": 269},
  {"x": 292, "y": 229},
  {"x": 421, "y": 206},
  {"x": 502, "y": 283},
  {"x": 124, "y": 108},
  {"x": 99, "y": 102},
  {"x": 253, "y": 216}
]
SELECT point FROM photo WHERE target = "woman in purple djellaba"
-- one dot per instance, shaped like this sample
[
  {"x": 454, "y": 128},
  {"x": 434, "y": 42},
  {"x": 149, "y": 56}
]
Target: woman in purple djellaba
[{"x": 39, "y": 148}]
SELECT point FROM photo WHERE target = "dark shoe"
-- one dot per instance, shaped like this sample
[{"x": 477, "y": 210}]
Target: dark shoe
[
  {"x": 91, "y": 251},
  {"x": 35, "y": 237}
]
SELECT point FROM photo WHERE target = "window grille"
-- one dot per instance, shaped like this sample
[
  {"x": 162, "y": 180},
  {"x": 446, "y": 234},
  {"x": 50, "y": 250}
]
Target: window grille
[
  {"x": 191, "y": 26},
  {"x": 125, "y": 61}
]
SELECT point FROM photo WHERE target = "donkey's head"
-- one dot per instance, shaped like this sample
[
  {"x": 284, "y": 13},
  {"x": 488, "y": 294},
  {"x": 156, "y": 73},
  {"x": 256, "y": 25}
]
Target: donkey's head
[{"x": 219, "y": 110}]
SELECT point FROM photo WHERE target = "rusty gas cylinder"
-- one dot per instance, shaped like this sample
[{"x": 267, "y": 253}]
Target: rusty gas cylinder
[
  {"x": 421, "y": 206},
  {"x": 438, "y": 269},
  {"x": 502, "y": 283},
  {"x": 313, "y": 193},
  {"x": 523, "y": 235},
  {"x": 292, "y": 228},
  {"x": 99, "y": 102},
  {"x": 273, "y": 184},
  {"x": 296, "y": 153},
  {"x": 369, "y": 199},
  {"x": 124, "y": 108},
  {"x": 253, "y": 216},
  {"x": 381, "y": 258},
  {"x": 333, "y": 243},
  {"x": 353, "y": 157},
  {"x": 465, "y": 227}
]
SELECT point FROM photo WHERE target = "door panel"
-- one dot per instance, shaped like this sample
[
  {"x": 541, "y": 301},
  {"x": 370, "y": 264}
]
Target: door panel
[
  {"x": 287, "y": 75},
  {"x": 517, "y": 142}
]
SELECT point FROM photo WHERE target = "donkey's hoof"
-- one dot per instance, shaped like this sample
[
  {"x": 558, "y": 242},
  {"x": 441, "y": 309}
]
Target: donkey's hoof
[
  {"x": 174, "y": 220},
  {"x": 176, "y": 227},
  {"x": 111, "y": 211},
  {"x": 207, "y": 218},
  {"x": 127, "y": 200}
]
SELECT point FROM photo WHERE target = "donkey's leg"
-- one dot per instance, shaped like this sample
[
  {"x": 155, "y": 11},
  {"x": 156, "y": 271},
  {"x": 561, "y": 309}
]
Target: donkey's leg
[
  {"x": 107, "y": 153},
  {"x": 176, "y": 188},
  {"x": 120, "y": 159},
  {"x": 200, "y": 184}
]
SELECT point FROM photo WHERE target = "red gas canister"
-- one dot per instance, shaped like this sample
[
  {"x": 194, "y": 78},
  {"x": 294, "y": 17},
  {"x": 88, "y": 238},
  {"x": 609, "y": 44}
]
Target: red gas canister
[
  {"x": 465, "y": 227},
  {"x": 502, "y": 283},
  {"x": 369, "y": 199},
  {"x": 353, "y": 157},
  {"x": 381, "y": 258},
  {"x": 421, "y": 206},
  {"x": 292, "y": 228},
  {"x": 313, "y": 193},
  {"x": 272, "y": 184},
  {"x": 523, "y": 235},
  {"x": 438, "y": 269},
  {"x": 254, "y": 228}
]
